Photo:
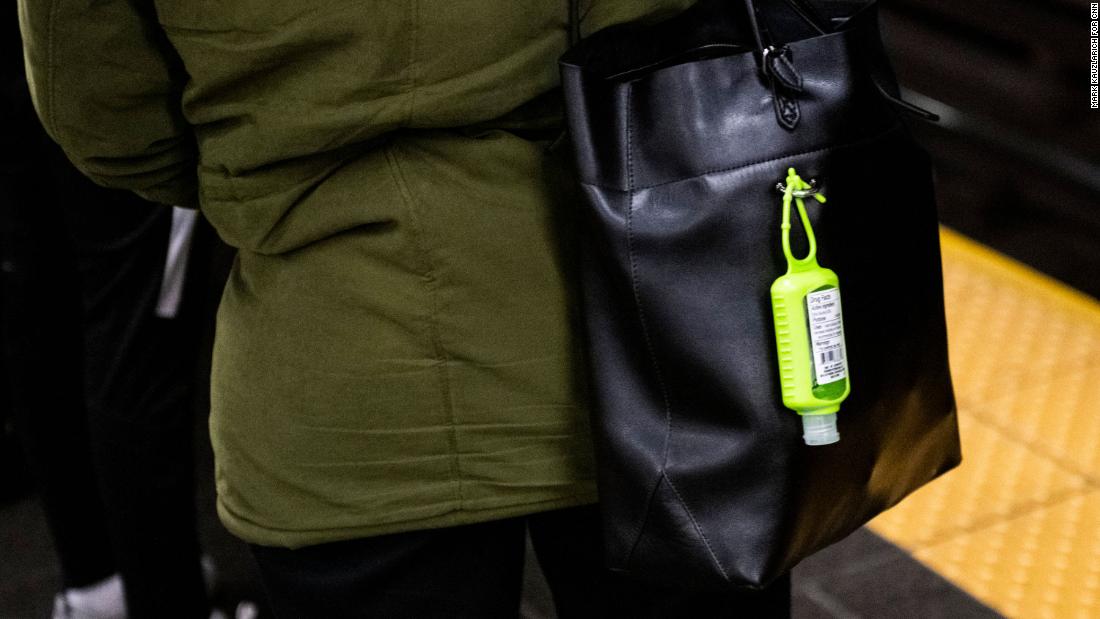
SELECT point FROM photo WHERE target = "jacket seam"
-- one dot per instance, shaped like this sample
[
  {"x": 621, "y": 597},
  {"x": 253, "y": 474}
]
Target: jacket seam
[{"x": 431, "y": 281}]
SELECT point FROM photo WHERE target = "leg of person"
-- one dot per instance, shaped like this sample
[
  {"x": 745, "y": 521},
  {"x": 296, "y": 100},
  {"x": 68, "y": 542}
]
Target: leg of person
[
  {"x": 43, "y": 350},
  {"x": 569, "y": 549},
  {"x": 471, "y": 571},
  {"x": 139, "y": 371}
]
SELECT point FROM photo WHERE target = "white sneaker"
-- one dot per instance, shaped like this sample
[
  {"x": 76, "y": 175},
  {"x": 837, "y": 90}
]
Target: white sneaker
[
  {"x": 245, "y": 610},
  {"x": 102, "y": 600}
]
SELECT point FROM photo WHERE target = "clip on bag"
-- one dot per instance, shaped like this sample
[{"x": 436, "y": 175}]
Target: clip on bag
[{"x": 684, "y": 134}]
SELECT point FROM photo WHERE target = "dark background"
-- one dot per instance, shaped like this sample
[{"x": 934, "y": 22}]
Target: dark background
[{"x": 1017, "y": 153}]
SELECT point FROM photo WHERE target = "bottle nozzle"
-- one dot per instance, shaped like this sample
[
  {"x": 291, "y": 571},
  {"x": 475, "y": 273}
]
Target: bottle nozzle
[{"x": 820, "y": 429}]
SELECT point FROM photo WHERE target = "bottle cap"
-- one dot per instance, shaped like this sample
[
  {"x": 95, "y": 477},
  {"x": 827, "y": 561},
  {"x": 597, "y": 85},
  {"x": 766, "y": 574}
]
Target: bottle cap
[{"x": 820, "y": 429}]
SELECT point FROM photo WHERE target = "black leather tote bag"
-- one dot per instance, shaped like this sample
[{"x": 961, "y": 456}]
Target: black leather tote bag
[{"x": 681, "y": 131}]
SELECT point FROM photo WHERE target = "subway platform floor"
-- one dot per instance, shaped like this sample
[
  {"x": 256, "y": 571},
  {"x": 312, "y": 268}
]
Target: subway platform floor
[
  {"x": 1017, "y": 525},
  {"x": 1014, "y": 531}
]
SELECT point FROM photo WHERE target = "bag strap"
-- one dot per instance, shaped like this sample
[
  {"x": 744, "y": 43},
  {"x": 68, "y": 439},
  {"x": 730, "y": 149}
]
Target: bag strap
[
  {"x": 804, "y": 10},
  {"x": 811, "y": 16},
  {"x": 754, "y": 27},
  {"x": 775, "y": 65},
  {"x": 574, "y": 22}
]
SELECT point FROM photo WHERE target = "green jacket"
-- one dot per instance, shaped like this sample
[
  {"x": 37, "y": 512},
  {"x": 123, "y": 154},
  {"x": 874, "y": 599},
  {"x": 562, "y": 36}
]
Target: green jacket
[{"x": 396, "y": 346}]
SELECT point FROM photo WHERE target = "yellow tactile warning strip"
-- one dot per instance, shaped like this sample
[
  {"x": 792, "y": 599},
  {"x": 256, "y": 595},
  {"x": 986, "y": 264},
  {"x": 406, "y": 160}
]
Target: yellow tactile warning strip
[{"x": 1018, "y": 524}]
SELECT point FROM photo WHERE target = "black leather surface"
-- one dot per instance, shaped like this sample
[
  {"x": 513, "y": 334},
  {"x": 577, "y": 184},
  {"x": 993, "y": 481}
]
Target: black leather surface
[{"x": 704, "y": 478}]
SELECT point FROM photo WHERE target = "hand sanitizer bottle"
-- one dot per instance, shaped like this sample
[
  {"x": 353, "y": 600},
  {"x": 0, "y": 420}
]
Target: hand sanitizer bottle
[{"x": 809, "y": 328}]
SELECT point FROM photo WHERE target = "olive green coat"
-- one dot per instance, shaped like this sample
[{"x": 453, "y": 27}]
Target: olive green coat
[{"x": 397, "y": 344}]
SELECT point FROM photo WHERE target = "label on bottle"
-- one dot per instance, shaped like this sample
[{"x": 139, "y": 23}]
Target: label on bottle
[{"x": 826, "y": 335}]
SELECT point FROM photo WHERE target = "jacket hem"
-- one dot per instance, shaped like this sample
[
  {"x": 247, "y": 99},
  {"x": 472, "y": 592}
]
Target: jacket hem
[{"x": 253, "y": 533}]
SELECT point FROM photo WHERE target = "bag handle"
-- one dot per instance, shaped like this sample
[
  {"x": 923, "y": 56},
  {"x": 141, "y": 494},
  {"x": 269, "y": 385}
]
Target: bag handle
[
  {"x": 804, "y": 10},
  {"x": 776, "y": 66}
]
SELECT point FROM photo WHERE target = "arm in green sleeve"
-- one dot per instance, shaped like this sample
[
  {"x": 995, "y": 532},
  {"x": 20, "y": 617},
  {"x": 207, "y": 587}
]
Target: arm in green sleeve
[{"x": 107, "y": 86}]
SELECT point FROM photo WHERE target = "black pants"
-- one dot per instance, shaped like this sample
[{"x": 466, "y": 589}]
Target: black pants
[
  {"x": 102, "y": 387},
  {"x": 475, "y": 571},
  {"x": 43, "y": 348}
]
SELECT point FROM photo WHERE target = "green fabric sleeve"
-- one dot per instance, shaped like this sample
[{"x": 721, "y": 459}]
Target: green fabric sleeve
[{"x": 107, "y": 86}]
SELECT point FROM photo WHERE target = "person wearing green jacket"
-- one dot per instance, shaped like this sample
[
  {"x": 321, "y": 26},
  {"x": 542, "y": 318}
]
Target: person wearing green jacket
[{"x": 396, "y": 364}]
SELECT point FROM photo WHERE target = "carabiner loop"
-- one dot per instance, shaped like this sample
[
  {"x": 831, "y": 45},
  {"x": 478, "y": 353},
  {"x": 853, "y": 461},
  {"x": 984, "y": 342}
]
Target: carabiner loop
[
  {"x": 800, "y": 193},
  {"x": 797, "y": 189}
]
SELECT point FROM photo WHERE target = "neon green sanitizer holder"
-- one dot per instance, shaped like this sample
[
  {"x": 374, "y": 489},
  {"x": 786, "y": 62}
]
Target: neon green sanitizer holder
[{"x": 809, "y": 328}]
